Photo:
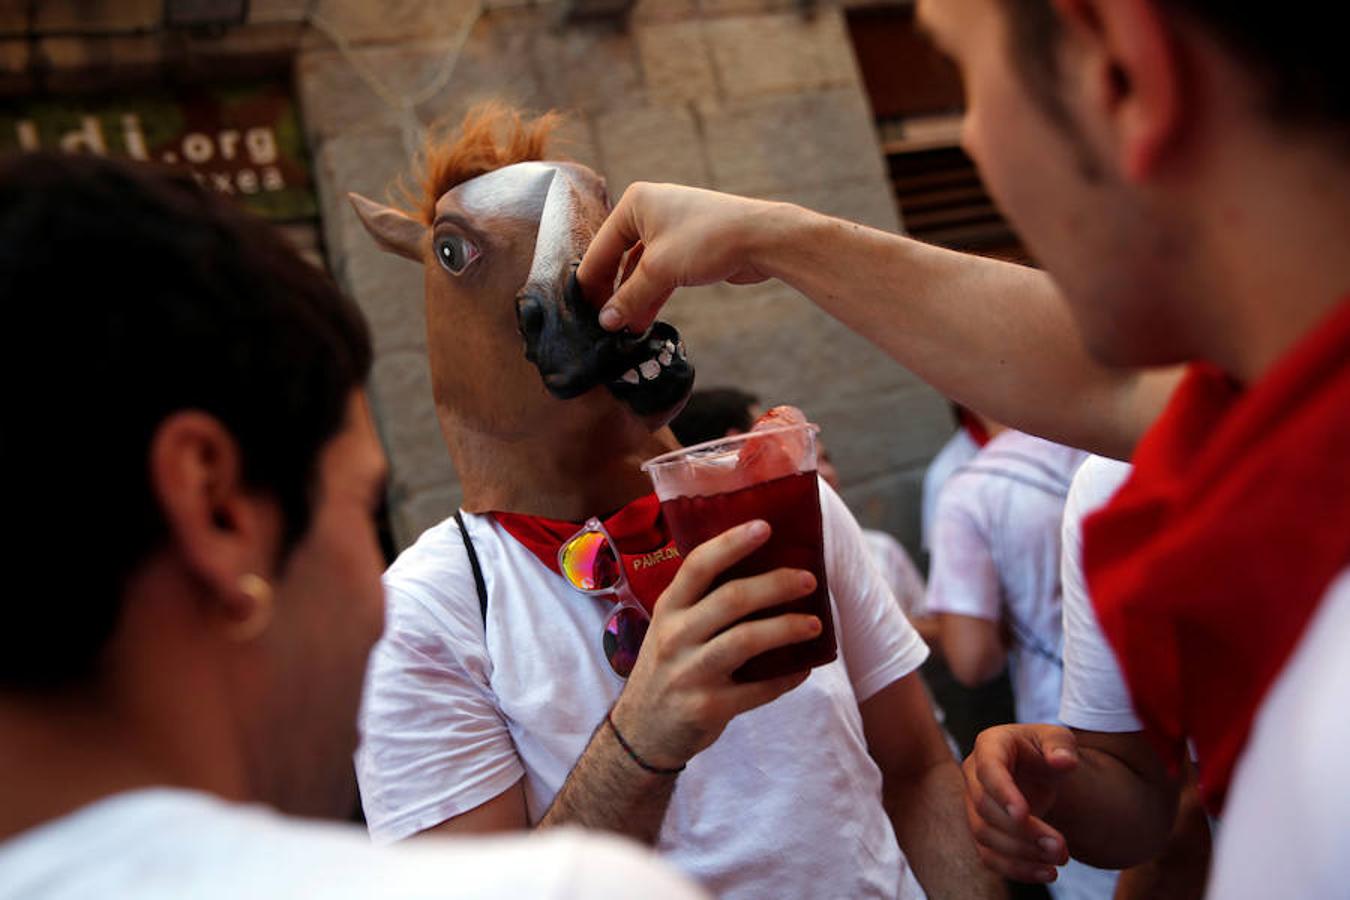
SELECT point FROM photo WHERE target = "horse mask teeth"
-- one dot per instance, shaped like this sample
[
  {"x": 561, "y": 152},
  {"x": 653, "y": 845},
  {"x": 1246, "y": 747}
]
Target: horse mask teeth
[
  {"x": 562, "y": 332},
  {"x": 563, "y": 338}
]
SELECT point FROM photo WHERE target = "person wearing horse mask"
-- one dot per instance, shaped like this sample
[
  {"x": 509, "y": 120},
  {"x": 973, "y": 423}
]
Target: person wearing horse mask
[
  {"x": 192, "y": 478},
  {"x": 503, "y": 696}
]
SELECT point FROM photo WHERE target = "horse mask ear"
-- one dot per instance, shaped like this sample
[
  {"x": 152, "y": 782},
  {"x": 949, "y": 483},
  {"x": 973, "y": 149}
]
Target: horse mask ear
[{"x": 394, "y": 231}]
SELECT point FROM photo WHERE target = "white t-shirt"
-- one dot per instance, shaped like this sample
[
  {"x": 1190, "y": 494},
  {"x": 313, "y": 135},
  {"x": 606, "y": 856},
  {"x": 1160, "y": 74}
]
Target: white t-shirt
[
  {"x": 168, "y": 844},
  {"x": 959, "y": 450},
  {"x": 1095, "y": 697},
  {"x": 1286, "y": 829},
  {"x": 996, "y": 556},
  {"x": 786, "y": 803},
  {"x": 1285, "y": 832},
  {"x": 899, "y": 571}
]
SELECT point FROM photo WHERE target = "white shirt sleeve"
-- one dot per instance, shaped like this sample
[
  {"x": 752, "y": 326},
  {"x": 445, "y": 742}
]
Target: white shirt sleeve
[
  {"x": 877, "y": 642},
  {"x": 1094, "y": 696},
  {"x": 963, "y": 577},
  {"x": 1285, "y": 832},
  {"x": 434, "y": 742}
]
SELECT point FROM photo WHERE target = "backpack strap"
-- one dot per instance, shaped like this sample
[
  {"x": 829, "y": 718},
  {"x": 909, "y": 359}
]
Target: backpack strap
[{"x": 478, "y": 582}]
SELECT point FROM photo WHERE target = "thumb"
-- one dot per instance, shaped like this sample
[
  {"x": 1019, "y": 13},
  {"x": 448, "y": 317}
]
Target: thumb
[{"x": 1058, "y": 748}]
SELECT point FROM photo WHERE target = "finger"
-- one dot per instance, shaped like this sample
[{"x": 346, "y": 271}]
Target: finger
[
  {"x": 1020, "y": 845},
  {"x": 636, "y": 302},
  {"x": 709, "y": 560},
  {"x": 986, "y": 816},
  {"x": 998, "y": 783},
  {"x": 729, "y": 650},
  {"x": 1007, "y": 753},
  {"x": 1050, "y": 844},
  {"x": 986, "y": 808},
  {"x": 993, "y": 826},
  {"x": 749, "y": 696},
  {"x": 1058, "y": 747},
  {"x": 737, "y": 599},
  {"x": 992, "y": 763},
  {"x": 600, "y": 263},
  {"x": 630, "y": 261},
  {"x": 1016, "y": 870}
]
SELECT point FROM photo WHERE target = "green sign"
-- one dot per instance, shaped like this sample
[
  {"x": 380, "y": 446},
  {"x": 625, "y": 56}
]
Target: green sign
[{"x": 243, "y": 140}]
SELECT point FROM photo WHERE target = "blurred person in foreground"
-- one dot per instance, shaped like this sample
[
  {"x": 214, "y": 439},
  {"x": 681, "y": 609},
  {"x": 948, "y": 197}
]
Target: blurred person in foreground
[
  {"x": 195, "y": 579},
  {"x": 1180, "y": 169}
]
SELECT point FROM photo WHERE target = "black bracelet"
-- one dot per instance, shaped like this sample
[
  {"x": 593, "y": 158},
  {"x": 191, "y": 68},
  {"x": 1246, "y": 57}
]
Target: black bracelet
[{"x": 632, "y": 754}]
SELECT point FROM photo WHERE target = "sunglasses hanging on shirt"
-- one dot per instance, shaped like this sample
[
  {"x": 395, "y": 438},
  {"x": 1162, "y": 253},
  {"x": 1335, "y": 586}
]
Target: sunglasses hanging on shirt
[{"x": 590, "y": 563}]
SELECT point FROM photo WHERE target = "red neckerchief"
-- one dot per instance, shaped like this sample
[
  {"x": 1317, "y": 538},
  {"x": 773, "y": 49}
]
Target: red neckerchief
[
  {"x": 1210, "y": 561},
  {"x": 649, "y": 556},
  {"x": 972, "y": 426}
]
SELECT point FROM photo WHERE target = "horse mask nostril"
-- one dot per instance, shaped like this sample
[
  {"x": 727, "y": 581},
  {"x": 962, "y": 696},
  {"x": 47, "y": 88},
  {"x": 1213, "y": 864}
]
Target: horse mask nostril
[{"x": 531, "y": 315}]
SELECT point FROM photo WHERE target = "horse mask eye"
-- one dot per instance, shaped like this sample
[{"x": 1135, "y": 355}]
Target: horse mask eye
[{"x": 455, "y": 253}]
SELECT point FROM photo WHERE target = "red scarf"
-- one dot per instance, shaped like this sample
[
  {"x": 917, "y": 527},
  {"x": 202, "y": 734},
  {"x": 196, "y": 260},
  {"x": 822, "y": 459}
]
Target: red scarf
[
  {"x": 650, "y": 559},
  {"x": 1212, "y": 558},
  {"x": 973, "y": 427}
]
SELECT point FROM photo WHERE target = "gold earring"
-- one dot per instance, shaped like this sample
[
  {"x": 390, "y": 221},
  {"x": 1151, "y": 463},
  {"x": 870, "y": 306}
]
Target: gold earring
[{"x": 256, "y": 588}]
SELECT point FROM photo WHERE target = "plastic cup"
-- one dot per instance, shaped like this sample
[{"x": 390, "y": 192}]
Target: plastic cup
[{"x": 709, "y": 488}]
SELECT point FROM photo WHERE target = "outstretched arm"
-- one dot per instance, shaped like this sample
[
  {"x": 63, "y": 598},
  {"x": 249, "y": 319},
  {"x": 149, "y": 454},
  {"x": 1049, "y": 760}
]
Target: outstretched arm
[{"x": 991, "y": 335}]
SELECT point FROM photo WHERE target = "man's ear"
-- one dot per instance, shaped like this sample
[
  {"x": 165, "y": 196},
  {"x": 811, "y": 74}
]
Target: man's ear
[
  {"x": 1138, "y": 80},
  {"x": 219, "y": 529},
  {"x": 394, "y": 231}
]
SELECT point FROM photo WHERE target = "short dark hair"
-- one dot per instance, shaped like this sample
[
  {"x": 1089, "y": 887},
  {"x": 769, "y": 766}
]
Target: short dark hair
[
  {"x": 713, "y": 412},
  {"x": 131, "y": 293},
  {"x": 1298, "y": 59}
]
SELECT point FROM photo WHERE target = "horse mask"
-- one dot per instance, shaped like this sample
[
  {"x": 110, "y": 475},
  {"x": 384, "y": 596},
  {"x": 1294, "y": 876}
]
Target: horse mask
[{"x": 491, "y": 208}]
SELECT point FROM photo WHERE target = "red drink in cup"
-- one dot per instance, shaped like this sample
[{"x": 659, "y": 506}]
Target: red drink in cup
[{"x": 770, "y": 474}]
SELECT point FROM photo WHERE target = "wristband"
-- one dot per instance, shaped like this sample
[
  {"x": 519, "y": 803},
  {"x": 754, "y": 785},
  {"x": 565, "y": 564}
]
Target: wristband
[{"x": 632, "y": 754}]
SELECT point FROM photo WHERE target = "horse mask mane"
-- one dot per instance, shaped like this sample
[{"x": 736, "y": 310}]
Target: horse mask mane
[{"x": 497, "y": 175}]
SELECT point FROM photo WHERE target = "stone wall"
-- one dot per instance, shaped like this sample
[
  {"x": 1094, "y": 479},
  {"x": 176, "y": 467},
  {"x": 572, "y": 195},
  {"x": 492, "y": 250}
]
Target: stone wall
[
  {"x": 756, "y": 97},
  {"x": 747, "y": 96}
]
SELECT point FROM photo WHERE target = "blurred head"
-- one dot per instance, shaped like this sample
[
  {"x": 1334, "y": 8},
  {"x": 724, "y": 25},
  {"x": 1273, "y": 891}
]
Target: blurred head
[
  {"x": 516, "y": 350},
  {"x": 190, "y": 468},
  {"x": 716, "y": 413},
  {"x": 713, "y": 413},
  {"x": 1099, "y": 127}
]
